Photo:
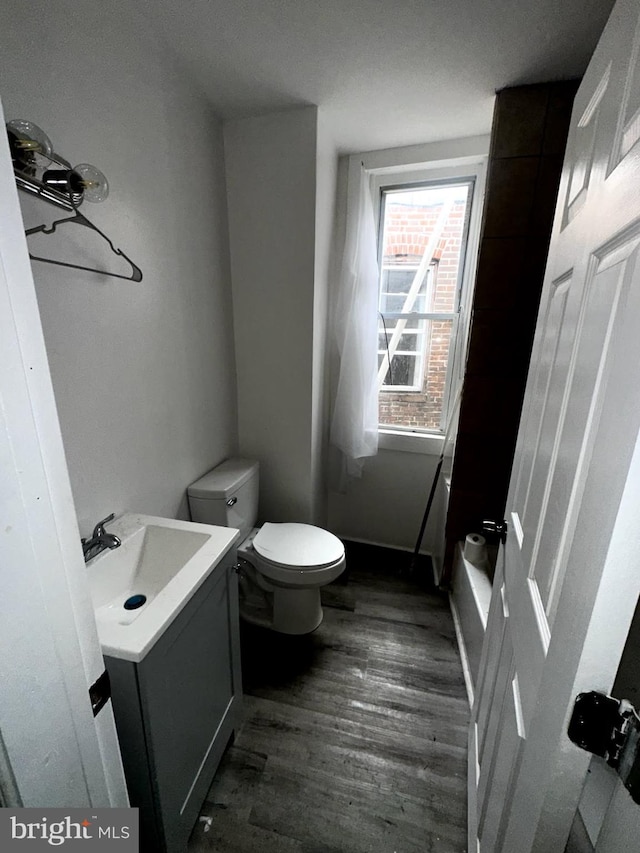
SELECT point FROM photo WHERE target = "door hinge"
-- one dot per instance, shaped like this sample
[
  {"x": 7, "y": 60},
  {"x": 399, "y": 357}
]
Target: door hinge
[
  {"x": 100, "y": 693},
  {"x": 609, "y": 728},
  {"x": 497, "y": 528}
]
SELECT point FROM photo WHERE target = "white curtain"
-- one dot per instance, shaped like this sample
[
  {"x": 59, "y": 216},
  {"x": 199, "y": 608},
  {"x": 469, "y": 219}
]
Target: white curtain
[{"x": 354, "y": 427}]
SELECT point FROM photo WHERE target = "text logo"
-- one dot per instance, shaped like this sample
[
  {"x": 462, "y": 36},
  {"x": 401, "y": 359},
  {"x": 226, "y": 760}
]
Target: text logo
[{"x": 70, "y": 829}]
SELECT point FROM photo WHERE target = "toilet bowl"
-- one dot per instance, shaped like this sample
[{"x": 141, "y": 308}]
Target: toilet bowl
[
  {"x": 282, "y": 566},
  {"x": 288, "y": 563}
]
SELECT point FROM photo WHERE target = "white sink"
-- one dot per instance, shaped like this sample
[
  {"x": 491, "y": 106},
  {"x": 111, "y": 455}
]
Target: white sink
[{"x": 161, "y": 559}]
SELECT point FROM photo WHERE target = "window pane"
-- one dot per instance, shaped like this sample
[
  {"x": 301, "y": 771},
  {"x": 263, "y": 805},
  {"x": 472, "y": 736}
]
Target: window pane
[
  {"x": 409, "y": 341},
  {"x": 402, "y": 370},
  {"x": 413, "y": 323},
  {"x": 397, "y": 295},
  {"x": 393, "y": 303},
  {"x": 403, "y": 349},
  {"x": 426, "y": 371},
  {"x": 397, "y": 280}
]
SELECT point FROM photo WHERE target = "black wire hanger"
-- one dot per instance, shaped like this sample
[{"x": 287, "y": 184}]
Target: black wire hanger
[{"x": 79, "y": 219}]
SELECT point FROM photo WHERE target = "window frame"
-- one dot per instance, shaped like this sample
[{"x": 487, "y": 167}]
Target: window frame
[{"x": 389, "y": 170}]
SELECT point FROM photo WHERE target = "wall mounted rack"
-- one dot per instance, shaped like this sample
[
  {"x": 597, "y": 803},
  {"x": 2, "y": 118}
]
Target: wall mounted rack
[{"x": 44, "y": 174}]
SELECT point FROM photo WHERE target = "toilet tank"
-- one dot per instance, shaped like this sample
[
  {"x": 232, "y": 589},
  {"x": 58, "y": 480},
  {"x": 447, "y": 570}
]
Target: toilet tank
[{"x": 227, "y": 495}]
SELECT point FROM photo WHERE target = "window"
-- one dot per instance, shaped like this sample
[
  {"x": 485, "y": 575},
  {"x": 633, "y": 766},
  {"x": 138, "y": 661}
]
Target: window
[{"x": 423, "y": 234}]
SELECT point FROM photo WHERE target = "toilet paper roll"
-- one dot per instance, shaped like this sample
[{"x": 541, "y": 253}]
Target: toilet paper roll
[{"x": 475, "y": 550}]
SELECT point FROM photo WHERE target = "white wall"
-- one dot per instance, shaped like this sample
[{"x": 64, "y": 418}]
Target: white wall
[
  {"x": 144, "y": 373},
  {"x": 385, "y": 506},
  {"x": 271, "y": 166}
]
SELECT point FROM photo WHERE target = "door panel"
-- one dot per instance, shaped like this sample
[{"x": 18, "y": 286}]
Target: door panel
[
  {"x": 568, "y": 576},
  {"x": 586, "y": 133},
  {"x": 491, "y": 676},
  {"x": 600, "y": 311},
  {"x": 545, "y": 408},
  {"x": 628, "y": 132},
  {"x": 506, "y": 765}
]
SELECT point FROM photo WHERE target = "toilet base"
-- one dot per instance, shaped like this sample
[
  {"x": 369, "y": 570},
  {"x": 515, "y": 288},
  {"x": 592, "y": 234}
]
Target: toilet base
[
  {"x": 287, "y": 611},
  {"x": 297, "y": 611}
]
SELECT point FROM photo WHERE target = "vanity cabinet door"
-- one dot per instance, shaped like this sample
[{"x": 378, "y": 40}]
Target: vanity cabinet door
[{"x": 190, "y": 695}]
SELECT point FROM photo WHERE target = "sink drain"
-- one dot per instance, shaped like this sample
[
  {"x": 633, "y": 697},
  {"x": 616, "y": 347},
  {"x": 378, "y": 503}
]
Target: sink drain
[{"x": 134, "y": 602}]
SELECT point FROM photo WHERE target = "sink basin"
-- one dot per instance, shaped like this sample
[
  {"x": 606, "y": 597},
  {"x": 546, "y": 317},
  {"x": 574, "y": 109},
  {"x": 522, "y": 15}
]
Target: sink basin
[{"x": 138, "y": 589}]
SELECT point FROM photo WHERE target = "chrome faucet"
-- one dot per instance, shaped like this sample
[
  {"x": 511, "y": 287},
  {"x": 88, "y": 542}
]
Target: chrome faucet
[{"x": 100, "y": 540}]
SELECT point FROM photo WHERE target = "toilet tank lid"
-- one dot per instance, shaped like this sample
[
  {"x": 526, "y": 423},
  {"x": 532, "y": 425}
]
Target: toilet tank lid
[
  {"x": 298, "y": 545},
  {"x": 223, "y": 480}
]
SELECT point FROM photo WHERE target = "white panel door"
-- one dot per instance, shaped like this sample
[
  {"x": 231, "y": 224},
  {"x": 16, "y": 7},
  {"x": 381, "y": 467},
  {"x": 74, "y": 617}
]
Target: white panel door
[
  {"x": 53, "y": 752},
  {"x": 568, "y": 577}
]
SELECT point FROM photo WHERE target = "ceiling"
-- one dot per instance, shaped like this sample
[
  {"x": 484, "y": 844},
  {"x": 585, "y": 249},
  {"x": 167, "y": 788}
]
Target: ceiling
[{"x": 385, "y": 72}]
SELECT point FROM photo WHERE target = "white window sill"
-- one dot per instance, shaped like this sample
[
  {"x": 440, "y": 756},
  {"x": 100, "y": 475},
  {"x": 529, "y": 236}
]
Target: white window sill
[{"x": 410, "y": 442}]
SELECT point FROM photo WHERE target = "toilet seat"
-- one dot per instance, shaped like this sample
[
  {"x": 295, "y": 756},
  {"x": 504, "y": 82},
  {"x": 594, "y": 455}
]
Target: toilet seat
[
  {"x": 295, "y": 543},
  {"x": 298, "y": 547}
]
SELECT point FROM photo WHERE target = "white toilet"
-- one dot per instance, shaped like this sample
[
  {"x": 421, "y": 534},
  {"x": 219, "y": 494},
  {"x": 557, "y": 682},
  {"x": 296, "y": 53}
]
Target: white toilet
[{"x": 282, "y": 566}]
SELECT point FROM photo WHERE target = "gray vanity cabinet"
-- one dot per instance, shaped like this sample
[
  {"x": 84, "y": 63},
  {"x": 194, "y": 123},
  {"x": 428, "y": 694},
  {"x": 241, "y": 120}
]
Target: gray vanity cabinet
[{"x": 177, "y": 709}]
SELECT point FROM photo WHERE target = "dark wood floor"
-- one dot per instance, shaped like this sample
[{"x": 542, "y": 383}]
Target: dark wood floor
[{"x": 354, "y": 737}]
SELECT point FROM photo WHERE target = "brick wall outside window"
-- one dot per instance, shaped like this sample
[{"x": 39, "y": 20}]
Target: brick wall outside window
[{"x": 407, "y": 233}]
